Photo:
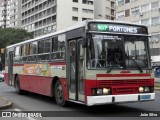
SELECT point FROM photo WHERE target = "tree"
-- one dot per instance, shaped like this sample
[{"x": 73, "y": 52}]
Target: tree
[{"x": 9, "y": 36}]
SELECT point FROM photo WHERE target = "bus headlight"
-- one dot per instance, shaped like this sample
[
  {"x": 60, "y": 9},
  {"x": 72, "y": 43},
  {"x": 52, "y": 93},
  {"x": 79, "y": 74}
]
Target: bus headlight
[
  {"x": 144, "y": 89},
  {"x": 141, "y": 89},
  {"x": 106, "y": 91},
  {"x": 99, "y": 91}
]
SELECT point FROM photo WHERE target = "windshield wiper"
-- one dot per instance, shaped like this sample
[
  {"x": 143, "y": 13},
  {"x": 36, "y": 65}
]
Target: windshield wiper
[
  {"x": 111, "y": 68},
  {"x": 137, "y": 65}
]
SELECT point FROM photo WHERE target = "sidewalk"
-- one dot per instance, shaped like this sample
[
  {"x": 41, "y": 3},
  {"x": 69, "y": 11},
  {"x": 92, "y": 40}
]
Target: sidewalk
[{"x": 4, "y": 103}]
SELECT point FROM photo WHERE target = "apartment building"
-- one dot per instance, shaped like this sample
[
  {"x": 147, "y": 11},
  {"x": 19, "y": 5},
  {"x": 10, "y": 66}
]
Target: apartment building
[
  {"x": 146, "y": 12},
  {"x": 105, "y": 9},
  {"x": 15, "y": 13},
  {"x": 4, "y": 12},
  {"x": 45, "y": 16}
]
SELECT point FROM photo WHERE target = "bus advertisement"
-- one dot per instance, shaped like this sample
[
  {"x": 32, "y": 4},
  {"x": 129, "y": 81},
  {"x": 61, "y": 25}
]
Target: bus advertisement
[{"x": 93, "y": 62}]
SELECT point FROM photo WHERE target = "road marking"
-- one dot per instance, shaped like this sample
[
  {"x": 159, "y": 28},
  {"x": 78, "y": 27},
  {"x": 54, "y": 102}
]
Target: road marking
[
  {"x": 18, "y": 110},
  {"x": 6, "y": 90}
]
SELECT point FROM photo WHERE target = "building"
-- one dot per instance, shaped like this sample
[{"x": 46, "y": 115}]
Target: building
[
  {"x": 145, "y": 12},
  {"x": 15, "y": 13},
  {"x": 105, "y": 9},
  {"x": 45, "y": 16},
  {"x": 4, "y": 12}
]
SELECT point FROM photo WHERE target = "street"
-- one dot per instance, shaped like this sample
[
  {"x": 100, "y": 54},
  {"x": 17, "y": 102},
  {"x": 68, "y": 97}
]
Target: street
[{"x": 34, "y": 102}]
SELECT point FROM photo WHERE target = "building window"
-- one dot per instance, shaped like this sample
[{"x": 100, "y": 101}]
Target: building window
[
  {"x": 87, "y": 11},
  {"x": 135, "y": 11},
  {"x": 155, "y": 20},
  {"x": 127, "y": 13},
  {"x": 127, "y": 1},
  {"x": 120, "y": 15},
  {"x": 145, "y": 8},
  {"x": 84, "y": 19},
  {"x": 155, "y": 38},
  {"x": 112, "y": 4},
  {"x": 75, "y": 1},
  {"x": 154, "y": 5},
  {"x": 75, "y": 18},
  {"x": 120, "y": 2},
  {"x": 75, "y": 9},
  {"x": 145, "y": 22}
]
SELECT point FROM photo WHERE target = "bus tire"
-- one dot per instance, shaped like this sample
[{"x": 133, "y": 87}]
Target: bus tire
[
  {"x": 59, "y": 94},
  {"x": 17, "y": 86}
]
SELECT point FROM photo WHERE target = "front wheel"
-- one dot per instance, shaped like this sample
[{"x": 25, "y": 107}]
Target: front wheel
[{"x": 59, "y": 95}]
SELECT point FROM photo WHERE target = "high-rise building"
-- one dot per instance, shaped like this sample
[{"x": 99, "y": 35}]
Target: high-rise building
[
  {"x": 105, "y": 9},
  {"x": 4, "y": 12},
  {"x": 145, "y": 12},
  {"x": 15, "y": 13},
  {"x": 45, "y": 16}
]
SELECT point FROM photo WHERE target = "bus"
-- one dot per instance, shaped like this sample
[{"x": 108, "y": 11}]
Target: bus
[{"x": 93, "y": 62}]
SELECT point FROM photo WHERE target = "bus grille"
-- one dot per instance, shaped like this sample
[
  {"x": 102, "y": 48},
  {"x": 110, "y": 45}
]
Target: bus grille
[
  {"x": 102, "y": 83},
  {"x": 124, "y": 90}
]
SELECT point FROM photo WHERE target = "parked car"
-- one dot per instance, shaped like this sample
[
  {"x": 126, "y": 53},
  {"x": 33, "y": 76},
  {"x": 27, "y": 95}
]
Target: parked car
[{"x": 1, "y": 76}]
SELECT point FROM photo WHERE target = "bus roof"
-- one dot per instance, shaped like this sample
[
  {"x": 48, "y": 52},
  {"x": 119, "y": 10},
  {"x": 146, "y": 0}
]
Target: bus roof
[{"x": 75, "y": 26}]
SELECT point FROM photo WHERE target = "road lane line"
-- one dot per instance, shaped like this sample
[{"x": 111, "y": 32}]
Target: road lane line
[{"x": 18, "y": 110}]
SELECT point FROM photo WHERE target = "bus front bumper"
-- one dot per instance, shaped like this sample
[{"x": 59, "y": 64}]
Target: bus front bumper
[{"x": 111, "y": 99}]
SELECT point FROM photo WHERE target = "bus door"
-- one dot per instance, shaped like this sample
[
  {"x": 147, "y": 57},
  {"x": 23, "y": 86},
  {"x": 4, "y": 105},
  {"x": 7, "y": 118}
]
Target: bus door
[
  {"x": 75, "y": 70},
  {"x": 10, "y": 68}
]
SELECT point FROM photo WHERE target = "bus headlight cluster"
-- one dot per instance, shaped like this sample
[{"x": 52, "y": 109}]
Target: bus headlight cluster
[
  {"x": 101, "y": 91},
  {"x": 144, "y": 89}
]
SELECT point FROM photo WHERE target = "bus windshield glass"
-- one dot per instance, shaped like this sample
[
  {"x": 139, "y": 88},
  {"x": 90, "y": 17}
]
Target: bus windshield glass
[{"x": 117, "y": 51}]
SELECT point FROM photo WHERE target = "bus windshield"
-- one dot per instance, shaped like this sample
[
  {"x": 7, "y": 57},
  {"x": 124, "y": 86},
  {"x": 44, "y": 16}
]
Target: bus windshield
[{"x": 117, "y": 51}]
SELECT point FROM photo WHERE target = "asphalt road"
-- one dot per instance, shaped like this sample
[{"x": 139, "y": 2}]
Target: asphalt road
[{"x": 34, "y": 102}]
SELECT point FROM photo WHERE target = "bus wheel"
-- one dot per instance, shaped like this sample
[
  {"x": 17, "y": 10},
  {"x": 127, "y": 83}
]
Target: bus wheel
[
  {"x": 59, "y": 96},
  {"x": 17, "y": 86}
]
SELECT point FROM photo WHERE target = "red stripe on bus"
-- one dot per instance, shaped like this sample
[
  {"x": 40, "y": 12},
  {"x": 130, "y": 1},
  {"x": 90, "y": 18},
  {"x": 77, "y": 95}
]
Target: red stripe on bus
[
  {"x": 15, "y": 65},
  {"x": 58, "y": 63}
]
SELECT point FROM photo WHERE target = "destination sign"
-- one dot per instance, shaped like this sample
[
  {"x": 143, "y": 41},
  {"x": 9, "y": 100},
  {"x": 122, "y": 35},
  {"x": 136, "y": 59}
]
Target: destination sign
[{"x": 104, "y": 27}]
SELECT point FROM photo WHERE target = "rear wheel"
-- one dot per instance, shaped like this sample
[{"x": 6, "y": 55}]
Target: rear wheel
[{"x": 59, "y": 95}]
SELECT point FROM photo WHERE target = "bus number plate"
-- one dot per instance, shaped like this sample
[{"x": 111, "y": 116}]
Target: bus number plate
[{"x": 145, "y": 97}]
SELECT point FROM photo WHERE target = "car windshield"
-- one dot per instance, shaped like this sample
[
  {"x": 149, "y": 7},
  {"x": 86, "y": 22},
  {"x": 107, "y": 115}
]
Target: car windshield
[{"x": 117, "y": 51}]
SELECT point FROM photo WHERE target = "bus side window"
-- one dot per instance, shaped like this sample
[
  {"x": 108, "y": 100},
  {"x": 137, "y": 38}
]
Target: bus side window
[
  {"x": 44, "y": 50},
  {"x": 32, "y": 51},
  {"x": 24, "y": 52},
  {"x": 58, "y": 47},
  {"x": 17, "y": 54}
]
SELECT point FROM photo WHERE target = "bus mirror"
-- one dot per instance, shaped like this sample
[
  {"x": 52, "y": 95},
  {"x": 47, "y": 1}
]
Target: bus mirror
[{"x": 84, "y": 40}]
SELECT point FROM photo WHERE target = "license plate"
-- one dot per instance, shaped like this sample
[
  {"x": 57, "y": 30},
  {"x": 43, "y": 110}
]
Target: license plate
[{"x": 145, "y": 97}]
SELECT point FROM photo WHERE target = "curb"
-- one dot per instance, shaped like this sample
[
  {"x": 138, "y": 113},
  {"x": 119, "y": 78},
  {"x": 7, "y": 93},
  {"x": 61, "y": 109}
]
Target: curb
[{"x": 7, "y": 105}]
